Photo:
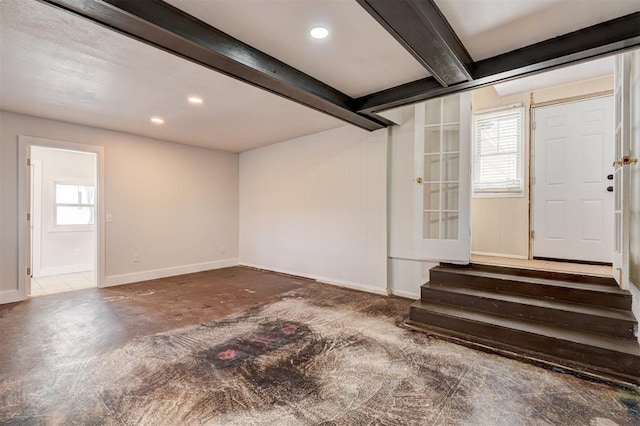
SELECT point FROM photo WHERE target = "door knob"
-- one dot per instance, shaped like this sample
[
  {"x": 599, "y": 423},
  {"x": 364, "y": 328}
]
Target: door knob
[
  {"x": 610, "y": 188},
  {"x": 419, "y": 180},
  {"x": 610, "y": 177}
]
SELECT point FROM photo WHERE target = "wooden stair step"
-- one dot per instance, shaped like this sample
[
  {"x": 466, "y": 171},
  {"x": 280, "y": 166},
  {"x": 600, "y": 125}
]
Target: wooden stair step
[
  {"x": 575, "y": 292},
  {"x": 604, "y": 355},
  {"x": 536, "y": 273},
  {"x": 595, "y": 319}
]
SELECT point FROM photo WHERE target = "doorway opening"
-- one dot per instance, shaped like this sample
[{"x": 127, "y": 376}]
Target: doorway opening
[
  {"x": 61, "y": 197},
  {"x": 63, "y": 225},
  {"x": 545, "y": 202}
]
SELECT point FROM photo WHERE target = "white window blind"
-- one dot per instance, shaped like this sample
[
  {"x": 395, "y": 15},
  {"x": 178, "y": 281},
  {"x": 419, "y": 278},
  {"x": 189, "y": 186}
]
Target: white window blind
[
  {"x": 497, "y": 154},
  {"x": 75, "y": 204}
]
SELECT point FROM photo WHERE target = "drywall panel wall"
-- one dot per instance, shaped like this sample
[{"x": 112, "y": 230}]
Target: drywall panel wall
[
  {"x": 60, "y": 250},
  {"x": 501, "y": 225},
  {"x": 315, "y": 206},
  {"x": 174, "y": 205}
]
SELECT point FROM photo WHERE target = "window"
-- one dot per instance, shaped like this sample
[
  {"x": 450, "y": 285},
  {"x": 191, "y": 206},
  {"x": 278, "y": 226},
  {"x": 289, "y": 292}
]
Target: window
[
  {"x": 497, "y": 153},
  {"x": 75, "y": 204}
]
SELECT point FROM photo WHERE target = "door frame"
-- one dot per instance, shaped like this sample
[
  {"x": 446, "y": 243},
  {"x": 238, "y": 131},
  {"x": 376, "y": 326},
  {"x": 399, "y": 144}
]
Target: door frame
[
  {"x": 36, "y": 215},
  {"x": 532, "y": 106},
  {"x": 24, "y": 192}
]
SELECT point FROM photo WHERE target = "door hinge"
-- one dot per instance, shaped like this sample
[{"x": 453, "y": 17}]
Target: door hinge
[
  {"x": 534, "y": 125},
  {"x": 29, "y": 271},
  {"x": 28, "y": 161},
  {"x": 532, "y": 234},
  {"x": 28, "y": 217}
]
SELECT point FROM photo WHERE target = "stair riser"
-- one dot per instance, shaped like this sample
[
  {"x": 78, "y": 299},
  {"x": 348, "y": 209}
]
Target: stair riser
[
  {"x": 586, "y": 322},
  {"x": 607, "y": 362},
  {"x": 549, "y": 275},
  {"x": 512, "y": 286}
]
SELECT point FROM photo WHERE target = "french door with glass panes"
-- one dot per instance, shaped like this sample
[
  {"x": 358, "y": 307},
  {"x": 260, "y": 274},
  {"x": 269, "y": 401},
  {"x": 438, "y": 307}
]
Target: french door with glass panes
[{"x": 442, "y": 179}]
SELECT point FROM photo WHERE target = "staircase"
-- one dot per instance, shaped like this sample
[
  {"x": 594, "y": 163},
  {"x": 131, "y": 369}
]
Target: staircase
[{"x": 581, "y": 323}]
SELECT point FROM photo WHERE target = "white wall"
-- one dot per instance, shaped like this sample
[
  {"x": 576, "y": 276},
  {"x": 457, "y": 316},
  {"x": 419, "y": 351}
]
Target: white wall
[
  {"x": 174, "y": 205},
  {"x": 315, "y": 206}
]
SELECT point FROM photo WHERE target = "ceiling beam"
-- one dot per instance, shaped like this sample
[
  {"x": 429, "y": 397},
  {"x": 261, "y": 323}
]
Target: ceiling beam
[
  {"x": 163, "y": 26},
  {"x": 420, "y": 27},
  {"x": 599, "y": 40}
]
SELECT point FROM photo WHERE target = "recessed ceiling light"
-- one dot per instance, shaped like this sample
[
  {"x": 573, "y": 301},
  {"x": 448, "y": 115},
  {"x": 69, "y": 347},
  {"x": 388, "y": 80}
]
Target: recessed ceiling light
[
  {"x": 195, "y": 100},
  {"x": 319, "y": 32},
  {"x": 157, "y": 120}
]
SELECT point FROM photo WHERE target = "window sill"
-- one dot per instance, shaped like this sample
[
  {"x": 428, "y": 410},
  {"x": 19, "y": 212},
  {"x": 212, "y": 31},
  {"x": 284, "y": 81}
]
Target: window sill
[
  {"x": 498, "y": 195},
  {"x": 73, "y": 228}
]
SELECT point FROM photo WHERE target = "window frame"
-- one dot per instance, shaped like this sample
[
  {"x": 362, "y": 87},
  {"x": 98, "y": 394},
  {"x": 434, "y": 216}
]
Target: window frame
[
  {"x": 72, "y": 227},
  {"x": 500, "y": 192}
]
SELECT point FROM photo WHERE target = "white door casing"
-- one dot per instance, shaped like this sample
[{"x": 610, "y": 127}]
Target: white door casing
[
  {"x": 29, "y": 222},
  {"x": 572, "y": 208},
  {"x": 442, "y": 167},
  {"x": 24, "y": 187}
]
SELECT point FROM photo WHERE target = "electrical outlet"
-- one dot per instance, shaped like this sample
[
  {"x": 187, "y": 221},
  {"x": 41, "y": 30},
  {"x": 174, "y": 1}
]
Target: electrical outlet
[
  {"x": 109, "y": 217},
  {"x": 223, "y": 249},
  {"x": 136, "y": 258}
]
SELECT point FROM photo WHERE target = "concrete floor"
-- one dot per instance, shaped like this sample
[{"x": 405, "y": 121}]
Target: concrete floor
[{"x": 50, "y": 347}]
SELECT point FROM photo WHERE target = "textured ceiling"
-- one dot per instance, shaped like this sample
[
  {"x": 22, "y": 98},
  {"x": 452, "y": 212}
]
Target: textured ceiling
[
  {"x": 59, "y": 66},
  {"x": 585, "y": 71},
  {"x": 491, "y": 27},
  {"x": 56, "y": 65},
  {"x": 358, "y": 57}
]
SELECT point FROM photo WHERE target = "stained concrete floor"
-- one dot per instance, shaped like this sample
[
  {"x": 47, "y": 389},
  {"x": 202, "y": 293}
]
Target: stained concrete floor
[{"x": 51, "y": 346}]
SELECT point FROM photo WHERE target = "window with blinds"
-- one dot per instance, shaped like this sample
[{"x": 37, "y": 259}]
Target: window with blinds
[{"x": 498, "y": 143}]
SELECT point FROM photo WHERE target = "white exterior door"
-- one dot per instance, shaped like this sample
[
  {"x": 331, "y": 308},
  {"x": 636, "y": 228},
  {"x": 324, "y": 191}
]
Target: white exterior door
[
  {"x": 442, "y": 179},
  {"x": 573, "y": 198}
]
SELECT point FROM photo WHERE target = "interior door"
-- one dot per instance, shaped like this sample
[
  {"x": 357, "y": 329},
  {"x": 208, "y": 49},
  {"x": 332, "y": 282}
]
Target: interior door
[
  {"x": 620, "y": 171},
  {"x": 633, "y": 192},
  {"x": 442, "y": 184},
  {"x": 573, "y": 196}
]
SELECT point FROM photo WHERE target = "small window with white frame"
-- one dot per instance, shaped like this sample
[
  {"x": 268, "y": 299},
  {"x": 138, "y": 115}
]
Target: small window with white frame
[
  {"x": 498, "y": 145},
  {"x": 74, "y": 204}
]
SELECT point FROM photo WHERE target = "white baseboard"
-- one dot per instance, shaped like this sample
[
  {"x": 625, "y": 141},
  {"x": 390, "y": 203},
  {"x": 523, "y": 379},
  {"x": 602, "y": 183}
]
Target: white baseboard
[
  {"x": 154, "y": 274},
  {"x": 509, "y": 256},
  {"x": 67, "y": 269},
  {"x": 10, "y": 296},
  {"x": 338, "y": 283},
  {"x": 406, "y": 294}
]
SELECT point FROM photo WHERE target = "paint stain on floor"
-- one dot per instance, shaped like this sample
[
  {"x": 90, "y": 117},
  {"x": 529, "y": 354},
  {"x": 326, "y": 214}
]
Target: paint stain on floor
[{"x": 342, "y": 360}]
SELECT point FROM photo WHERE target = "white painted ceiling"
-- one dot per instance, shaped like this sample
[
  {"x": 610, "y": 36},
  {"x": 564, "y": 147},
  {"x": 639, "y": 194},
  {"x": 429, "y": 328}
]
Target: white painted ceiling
[
  {"x": 358, "y": 57},
  {"x": 59, "y": 66},
  {"x": 491, "y": 27},
  {"x": 56, "y": 65},
  {"x": 585, "y": 71}
]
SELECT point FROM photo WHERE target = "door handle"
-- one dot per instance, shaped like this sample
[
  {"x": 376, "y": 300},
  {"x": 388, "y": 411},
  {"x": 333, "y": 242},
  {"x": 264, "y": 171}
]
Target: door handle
[
  {"x": 419, "y": 180},
  {"x": 610, "y": 188},
  {"x": 625, "y": 161},
  {"x": 610, "y": 177}
]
